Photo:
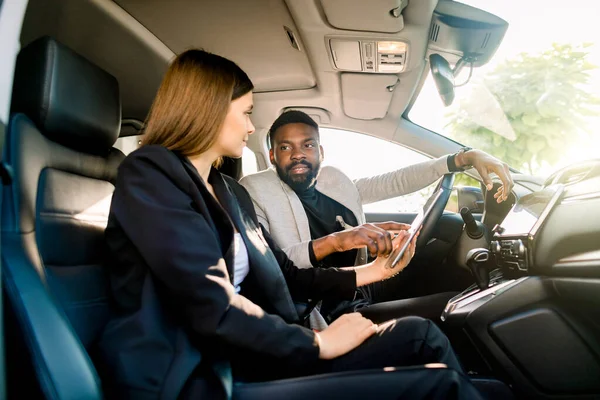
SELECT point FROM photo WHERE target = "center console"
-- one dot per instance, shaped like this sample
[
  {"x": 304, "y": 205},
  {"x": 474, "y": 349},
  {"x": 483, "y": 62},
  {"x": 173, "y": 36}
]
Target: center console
[
  {"x": 510, "y": 255},
  {"x": 532, "y": 320},
  {"x": 515, "y": 239},
  {"x": 461, "y": 305}
]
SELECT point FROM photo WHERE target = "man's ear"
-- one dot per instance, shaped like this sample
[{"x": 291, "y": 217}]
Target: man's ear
[
  {"x": 272, "y": 156},
  {"x": 322, "y": 153}
]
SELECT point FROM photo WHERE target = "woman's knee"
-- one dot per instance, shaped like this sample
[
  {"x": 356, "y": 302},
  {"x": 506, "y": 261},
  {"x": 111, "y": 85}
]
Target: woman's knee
[
  {"x": 414, "y": 327},
  {"x": 419, "y": 330}
]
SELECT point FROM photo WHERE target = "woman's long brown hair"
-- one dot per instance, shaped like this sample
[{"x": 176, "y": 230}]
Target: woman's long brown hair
[{"x": 192, "y": 101}]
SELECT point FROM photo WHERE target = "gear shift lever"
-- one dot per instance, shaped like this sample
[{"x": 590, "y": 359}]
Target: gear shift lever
[{"x": 477, "y": 261}]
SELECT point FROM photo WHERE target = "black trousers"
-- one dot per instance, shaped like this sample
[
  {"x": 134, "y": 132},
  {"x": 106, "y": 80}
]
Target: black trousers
[
  {"x": 399, "y": 343},
  {"x": 405, "y": 342},
  {"x": 409, "y": 341},
  {"x": 410, "y": 384}
]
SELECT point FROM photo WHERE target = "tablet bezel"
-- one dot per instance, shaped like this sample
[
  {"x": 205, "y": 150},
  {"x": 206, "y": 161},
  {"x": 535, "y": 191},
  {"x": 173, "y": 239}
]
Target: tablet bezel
[{"x": 425, "y": 211}]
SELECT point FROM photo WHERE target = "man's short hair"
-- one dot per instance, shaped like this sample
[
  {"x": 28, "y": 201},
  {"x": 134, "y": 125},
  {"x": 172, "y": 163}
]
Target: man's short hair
[{"x": 291, "y": 117}]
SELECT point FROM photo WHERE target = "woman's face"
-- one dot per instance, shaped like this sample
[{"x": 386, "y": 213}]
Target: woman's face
[{"x": 236, "y": 128}]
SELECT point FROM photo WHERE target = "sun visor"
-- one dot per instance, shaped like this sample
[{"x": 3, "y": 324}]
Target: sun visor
[
  {"x": 260, "y": 37},
  {"x": 369, "y": 16},
  {"x": 367, "y": 96},
  {"x": 319, "y": 115}
]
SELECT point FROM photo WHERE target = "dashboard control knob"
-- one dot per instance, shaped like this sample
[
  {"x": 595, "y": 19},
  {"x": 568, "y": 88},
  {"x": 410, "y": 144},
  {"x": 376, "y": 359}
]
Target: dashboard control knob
[
  {"x": 519, "y": 248},
  {"x": 498, "y": 229},
  {"x": 495, "y": 246}
]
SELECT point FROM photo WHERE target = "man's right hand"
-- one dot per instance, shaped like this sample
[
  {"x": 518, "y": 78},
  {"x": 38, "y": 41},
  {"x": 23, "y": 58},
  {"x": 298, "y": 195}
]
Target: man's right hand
[
  {"x": 345, "y": 334},
  {"x": 377, "y": 237}
]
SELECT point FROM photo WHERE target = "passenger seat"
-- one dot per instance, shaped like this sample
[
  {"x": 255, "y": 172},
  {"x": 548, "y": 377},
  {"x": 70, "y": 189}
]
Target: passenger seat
[{"x": 66, "y": 117}]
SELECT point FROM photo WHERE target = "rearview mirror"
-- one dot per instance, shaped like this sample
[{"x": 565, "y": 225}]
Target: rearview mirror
[
  {"x": 466, "y": 35},
  {"x": 443, "y": 77}
]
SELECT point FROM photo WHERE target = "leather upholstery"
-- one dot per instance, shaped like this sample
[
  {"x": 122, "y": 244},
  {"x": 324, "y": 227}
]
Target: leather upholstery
[
  {"x": 71, "y": 100},
  {"x": 29, "y": 152},
  {"x": 60, "y": 363},
  {"x": 59, "y": 145},
  {"x": 63, "y": 197}
]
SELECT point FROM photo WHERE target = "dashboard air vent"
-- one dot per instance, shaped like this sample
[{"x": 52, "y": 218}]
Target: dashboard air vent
[
  {"x": 575, "y": 173},
  {"x": 434, "y": 32}
]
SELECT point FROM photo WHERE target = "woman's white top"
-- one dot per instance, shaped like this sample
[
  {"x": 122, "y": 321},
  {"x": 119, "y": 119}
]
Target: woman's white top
[{"x": 241, "y": 262}]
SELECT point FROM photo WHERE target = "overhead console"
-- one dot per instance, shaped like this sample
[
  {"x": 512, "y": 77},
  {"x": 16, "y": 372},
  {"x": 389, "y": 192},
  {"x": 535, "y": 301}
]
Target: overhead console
[
  {"x": 369, "y": 69},
  {"x": 368, "y": 55}
]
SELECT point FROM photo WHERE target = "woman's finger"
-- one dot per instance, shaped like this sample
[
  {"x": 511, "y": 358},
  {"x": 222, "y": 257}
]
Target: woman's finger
[
  {"x": 410, "y": 251},
  {"x": 413, "y": 245},
  {"x": 367, "y": 331},
  {"x": 399, "y": 240}
]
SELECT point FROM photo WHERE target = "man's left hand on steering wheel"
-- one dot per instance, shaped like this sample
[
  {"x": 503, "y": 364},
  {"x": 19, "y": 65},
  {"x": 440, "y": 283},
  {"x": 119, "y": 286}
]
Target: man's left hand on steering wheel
[{"x": 486, "y": 164}]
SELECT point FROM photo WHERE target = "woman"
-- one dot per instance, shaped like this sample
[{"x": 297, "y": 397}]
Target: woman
[{"x": 199, "y": 286}]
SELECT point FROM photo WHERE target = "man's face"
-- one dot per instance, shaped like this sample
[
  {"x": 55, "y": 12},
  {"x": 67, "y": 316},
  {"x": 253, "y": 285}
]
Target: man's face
[{"x": 297, "y": 155}]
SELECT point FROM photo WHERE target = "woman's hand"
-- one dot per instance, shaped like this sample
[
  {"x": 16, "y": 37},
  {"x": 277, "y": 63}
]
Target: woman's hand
[
  {"x": 382, "y": 268},
  {"x": 384, "y": 264},
  {"x": 345, "y": 334}
]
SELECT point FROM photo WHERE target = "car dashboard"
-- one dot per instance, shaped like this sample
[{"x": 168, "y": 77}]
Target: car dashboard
[
  {"x": 536, "y": 314},
  {"x": 554, "y": 229}
]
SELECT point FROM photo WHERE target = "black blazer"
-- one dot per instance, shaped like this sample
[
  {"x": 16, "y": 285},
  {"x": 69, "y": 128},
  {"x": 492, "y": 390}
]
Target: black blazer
[{"x": 171, "y": 276}]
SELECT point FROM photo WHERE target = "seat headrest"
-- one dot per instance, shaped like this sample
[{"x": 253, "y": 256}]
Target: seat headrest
[{"x": 72, "y": 101}]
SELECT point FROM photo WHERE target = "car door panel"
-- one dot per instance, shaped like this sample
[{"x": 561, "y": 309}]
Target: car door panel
[{"x": 542, "y": 334}]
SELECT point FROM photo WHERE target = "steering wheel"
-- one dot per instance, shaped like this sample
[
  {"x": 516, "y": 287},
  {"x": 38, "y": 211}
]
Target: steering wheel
[{"x": 445, "y": 185}]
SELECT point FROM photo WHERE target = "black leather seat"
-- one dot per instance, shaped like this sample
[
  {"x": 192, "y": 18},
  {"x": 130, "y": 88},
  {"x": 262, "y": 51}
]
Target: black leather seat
[
  {"x": 66, "y": 117},
  {"x": 59, "y": 144}
]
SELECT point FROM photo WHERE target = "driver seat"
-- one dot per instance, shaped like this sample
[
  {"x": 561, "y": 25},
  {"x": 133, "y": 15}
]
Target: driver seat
[{"x": 59, "y": 144}]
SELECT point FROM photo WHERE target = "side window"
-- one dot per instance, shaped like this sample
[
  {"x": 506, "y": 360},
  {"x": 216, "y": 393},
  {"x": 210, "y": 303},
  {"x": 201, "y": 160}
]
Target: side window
[{"x": 360, "y": 156}]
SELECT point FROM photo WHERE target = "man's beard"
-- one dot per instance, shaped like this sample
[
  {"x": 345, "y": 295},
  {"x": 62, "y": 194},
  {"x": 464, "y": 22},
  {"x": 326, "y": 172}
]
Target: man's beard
[{"x": 299, "y": 183}]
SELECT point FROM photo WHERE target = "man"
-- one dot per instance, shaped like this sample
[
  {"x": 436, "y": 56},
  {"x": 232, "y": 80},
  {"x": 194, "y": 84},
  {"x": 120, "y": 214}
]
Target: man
[{"x": 315, "y": 214}]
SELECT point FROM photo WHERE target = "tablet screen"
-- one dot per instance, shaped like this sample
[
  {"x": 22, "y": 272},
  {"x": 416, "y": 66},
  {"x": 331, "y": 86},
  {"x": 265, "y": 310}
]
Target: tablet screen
[{"x": 417, "y": 223}]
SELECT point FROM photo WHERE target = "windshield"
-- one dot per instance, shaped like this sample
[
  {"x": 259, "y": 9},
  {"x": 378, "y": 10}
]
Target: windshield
[{"x": 536, "y": 104}]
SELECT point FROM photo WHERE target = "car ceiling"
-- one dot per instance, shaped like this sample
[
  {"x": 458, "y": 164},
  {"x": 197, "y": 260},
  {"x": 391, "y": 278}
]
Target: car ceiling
[{"x": 135, "y": 40}]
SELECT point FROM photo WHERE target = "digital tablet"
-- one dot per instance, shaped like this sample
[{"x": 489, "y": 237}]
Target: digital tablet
[{"x": 418, "y": 223}]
